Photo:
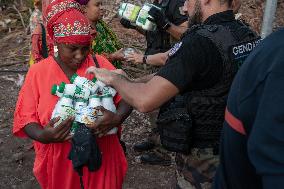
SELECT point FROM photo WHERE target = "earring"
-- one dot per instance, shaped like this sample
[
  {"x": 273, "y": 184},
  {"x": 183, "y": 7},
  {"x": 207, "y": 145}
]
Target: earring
[{"x": 55, "y": 50}]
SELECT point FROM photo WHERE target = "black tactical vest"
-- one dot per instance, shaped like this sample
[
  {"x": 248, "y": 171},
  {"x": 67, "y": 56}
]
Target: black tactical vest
[
  {"x": 158, "y": 41},
  {"x": 207, "y": 106}
]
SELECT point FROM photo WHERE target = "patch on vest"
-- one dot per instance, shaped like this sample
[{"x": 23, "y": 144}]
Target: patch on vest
[
  {"x": 241, "y": 51},
  {"x": 175, "y": 49}
]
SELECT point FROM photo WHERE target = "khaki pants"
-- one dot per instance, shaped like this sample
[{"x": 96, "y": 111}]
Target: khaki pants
[{"x": 196, "y": 170}]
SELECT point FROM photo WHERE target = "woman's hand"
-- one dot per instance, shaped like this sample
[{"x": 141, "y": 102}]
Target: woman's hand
[
  {"x": 61, "y": 133},
  {"x": 136, "y": 58},
  {"x": 118, "y": 55},
  {"x": 105, "y": 123}
]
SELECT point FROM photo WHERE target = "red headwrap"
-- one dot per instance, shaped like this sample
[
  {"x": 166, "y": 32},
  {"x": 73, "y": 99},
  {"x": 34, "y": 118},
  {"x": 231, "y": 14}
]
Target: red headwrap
[{"x": 66, "y": 23}]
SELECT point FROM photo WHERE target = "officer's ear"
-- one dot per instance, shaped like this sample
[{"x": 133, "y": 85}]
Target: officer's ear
[
  {"x": 205, "y": 2},
  {"x": 236, "y": 5}
]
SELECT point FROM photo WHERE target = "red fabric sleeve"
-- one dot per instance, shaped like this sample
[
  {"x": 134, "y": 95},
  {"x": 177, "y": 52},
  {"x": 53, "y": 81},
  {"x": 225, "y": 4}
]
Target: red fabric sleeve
[
  {"x": 26, "y": 107},
  {"x": 37, "y": 44},
  {"x": 36, "y": 47}
]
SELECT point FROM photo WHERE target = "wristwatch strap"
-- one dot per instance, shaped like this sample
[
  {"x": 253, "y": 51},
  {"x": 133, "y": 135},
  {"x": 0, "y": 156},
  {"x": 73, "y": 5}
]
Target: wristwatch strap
[
  {"x": 145, "y": 59},
  {"x": 165, "y": 27}
]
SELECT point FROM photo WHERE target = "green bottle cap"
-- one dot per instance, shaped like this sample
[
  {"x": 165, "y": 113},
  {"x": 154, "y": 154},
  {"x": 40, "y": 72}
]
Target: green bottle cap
[
  {"x": 94, "y": 80},
  {"x": 107, "y": 96},
  {"x": 81, "y": 100},
  {"x": 61, "y": 87},
  {"x": 68, "y": 96},
  {"x": 53, "y": 89},
  {"x": 95, "y": 96},
  {"x": 73, "y": 78}
]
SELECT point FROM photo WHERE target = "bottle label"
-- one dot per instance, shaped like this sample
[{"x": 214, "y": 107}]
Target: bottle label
[
  {"x": 63, "y": 112},
  {"x": 130, "y": 12},
  {"x": 87, "y": 115},
  {"x": 82, "y": 93},
  {"x": 143, "y": 15},
  {"x": 109, "y": 91}
]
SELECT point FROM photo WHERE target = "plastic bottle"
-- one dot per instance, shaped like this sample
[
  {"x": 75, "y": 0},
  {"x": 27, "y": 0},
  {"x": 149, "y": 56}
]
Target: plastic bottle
[
  {"x": 142, "y": 19},
  {"x": 63, "y": 109},
  {"x": 74, "y": 90},
  {"x": 83, "y": 82},
  {"x": 54, "y": 91},
  {"x": 129, "y": 11},
  {"x": 127, "y": 51},
  {"x": 95, "y": 101},
  {"x": 80, "y": 103},
  {"x": 87, "y": 115},
  {"x": 121, "y": 9},
  {"x": 99, "y": 84},
  {"x": 108, "y": 103},
  {"x": 109, "y": 90}
]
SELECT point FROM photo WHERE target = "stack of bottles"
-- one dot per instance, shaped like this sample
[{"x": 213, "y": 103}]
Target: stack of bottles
[
  {"x": 138, "y": 16},
  {"x": 80, "y": 99}
]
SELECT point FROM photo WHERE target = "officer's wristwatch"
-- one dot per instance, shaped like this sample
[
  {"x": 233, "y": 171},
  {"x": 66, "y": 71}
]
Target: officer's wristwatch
[
  {"x": 166, "y": 27},
  {"x": 144, "y": 59}
]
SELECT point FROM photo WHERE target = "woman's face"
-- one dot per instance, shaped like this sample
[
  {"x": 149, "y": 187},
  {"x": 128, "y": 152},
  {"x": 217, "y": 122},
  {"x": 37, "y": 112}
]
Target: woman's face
[
  {"x": 94, "y": 11},
  {"x": 73, "y": 55}
]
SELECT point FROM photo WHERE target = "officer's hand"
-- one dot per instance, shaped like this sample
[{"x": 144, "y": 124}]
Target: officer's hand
[
  {"x": 158, "y": 17},
  {"x": 61, "y": 133},
  {"x": 105, "y": 123},
  {"x": 120, "y": 72},
  {"x": 126, "y": 23},
  {"x": 103, "y": 74},
  {"x": 136, "y": 58}
]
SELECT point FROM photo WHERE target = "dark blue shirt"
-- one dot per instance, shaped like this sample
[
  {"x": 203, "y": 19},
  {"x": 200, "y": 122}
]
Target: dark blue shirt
[{"x": 252, "y": 146}]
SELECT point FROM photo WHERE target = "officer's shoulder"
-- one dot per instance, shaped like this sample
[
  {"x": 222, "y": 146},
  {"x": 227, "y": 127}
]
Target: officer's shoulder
[{"x": 195, "y": 33}]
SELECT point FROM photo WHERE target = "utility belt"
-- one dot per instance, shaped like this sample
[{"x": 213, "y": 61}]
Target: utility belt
[
  {"x": 175, "y": 129},
  {"x": 175, "y": 125},
  {"x": 178, "y": 132}
]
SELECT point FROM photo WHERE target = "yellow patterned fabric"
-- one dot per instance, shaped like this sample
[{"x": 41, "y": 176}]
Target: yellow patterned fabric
[{"x": 106, "y": 41}]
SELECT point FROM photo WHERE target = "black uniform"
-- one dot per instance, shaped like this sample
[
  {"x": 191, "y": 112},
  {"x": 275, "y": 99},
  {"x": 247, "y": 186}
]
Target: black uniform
[
  {"x": 201, "y": 66},
  {"x": 252, "y": 154},
  {"x": 159, "y": 41}
]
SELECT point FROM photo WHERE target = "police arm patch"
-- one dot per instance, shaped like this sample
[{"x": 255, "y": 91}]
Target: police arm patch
[{"x": 175, "y": 49}]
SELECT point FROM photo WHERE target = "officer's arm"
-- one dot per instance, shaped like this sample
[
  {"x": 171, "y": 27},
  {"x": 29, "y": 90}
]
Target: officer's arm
[
  {"x": 177, "y": 31},
  {"x": 144, "y": 97},
  {"x": 158, "y": 59},
  {"x": 144, "y": 79}
]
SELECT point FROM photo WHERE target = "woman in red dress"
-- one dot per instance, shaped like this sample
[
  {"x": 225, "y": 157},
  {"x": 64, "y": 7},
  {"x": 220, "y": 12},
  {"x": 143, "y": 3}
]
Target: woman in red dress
[{"x": 69, "y": 30}]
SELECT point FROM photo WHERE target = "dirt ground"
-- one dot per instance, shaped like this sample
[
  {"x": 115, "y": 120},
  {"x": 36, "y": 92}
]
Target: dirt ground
[{"x": 16, "y": 155}]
